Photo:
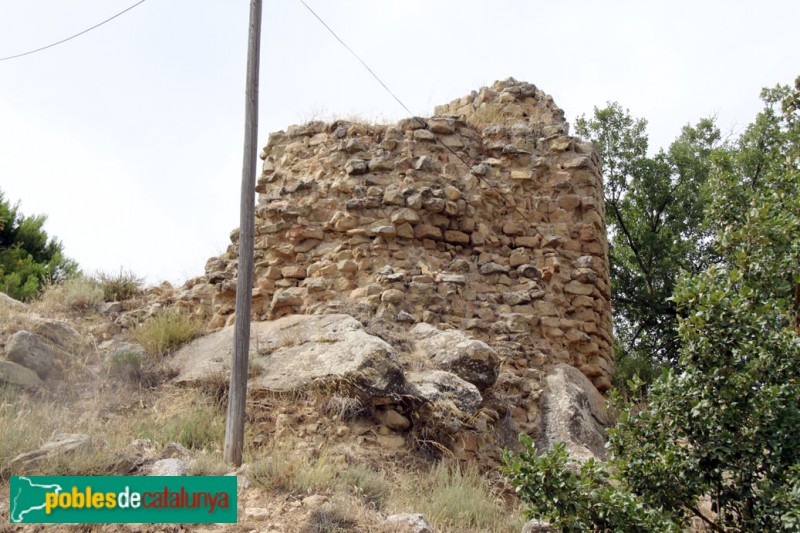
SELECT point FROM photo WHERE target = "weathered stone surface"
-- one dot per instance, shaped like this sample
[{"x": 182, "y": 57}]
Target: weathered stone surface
[
  {"x": 10, "y": 303},
  {"x": 472, "y": 360},
  {"x": 493, "y": 268},
  {"x": 297, "y": 350},
  {"x": 169, "y": 467},
  {"x": 393, "y": 296},
  {"x": 35, "y": 353},
  {"x": 573, "y": 412},
  {"x": 58, "y": 332},
  {"x": 405, "y": 215},
  {"x": 17, "y": 375},
  {"x": 394, "y": 420},
  {"x": 59, "y": 445},
  {"x": 287, "y": 298},
  {"x": 438, "y": 386},
  {"x": 576, "y": 287},
  {"x": 538, "y": 526},
  {"x": 457, "y": 237},
  {"x": 409, "y": 523},
  {"x": 356, "y": 166},
  {"x": 426, "y": 231}
]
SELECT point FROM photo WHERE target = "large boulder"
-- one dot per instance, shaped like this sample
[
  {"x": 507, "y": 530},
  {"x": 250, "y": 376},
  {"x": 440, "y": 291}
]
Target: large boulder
[
  {"x": 296, "y": 351},
  {"x": 573, "y": 412},
  {"x": 35, "y": 353},
  {"x": 470, "y": 359},
  {"x": 445, "y": 400},
  {"x": 8, "y": 302},
  {"x": 17, "y": 375},
  {"x": 58, "y": 332}
]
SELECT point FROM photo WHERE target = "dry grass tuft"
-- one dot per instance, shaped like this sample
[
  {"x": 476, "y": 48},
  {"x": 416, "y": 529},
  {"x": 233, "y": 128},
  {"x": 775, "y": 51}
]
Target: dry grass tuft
[
  {"x": 185, "y": 417},
  {"x": 454, "y": 498},
  {"x": 119, "y": 287},
  {"x": 370, "y": 486},
  {"x": 330, "y": 518},
  {"x": 343, "y": 407},
  {"x": 165, "y": 331},
  {"x": 74, "y": 295},
  {"x": 208, "y": 464},
  {"x": 289, "y": 468}
]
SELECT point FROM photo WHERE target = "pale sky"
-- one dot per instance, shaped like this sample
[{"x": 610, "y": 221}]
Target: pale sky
[{"x": 129, "y": 137}]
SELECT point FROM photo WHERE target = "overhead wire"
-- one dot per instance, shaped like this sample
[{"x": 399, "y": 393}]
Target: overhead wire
[
  {"x": 425, "y": 124},
  {"x": 87, "y": 30}
]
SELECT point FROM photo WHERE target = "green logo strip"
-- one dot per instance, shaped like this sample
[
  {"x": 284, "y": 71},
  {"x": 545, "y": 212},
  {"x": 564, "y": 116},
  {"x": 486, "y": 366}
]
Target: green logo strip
[{"x": 120, "y": 499}]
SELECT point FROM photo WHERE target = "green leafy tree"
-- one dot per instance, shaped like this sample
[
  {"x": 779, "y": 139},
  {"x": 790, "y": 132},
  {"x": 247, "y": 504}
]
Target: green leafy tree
[
  {"x": 654, "y": 208},
  {"x": 28, "y": 258},
  {"x": 721, "y": 425}
]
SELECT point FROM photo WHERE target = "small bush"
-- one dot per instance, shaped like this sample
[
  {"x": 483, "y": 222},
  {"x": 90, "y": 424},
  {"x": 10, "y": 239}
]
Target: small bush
[
  {"x": 329, "y": 519},
  {"x": 126, "y": 365},
  {"x": 205, "y": 464},
  {"x": 74, "y": 294},
  {"x": 369, "y": 485},
  {"x": 165, "y": 331},
  {"x": 456, "y": 498},
  {"x": 188, "y": 419},
  {"x": 120, "y": 287}
]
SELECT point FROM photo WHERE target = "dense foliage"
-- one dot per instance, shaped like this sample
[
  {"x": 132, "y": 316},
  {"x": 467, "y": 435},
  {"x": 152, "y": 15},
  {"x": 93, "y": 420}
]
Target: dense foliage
[
  {"x": 656, "y": 224},
  {"x": 28, "y": 258},
  {"x": 716, "y": 439}
]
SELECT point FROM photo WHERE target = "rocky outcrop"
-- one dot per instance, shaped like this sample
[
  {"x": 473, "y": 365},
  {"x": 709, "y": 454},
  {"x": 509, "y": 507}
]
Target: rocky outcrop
[
  {"x": 573, "y": 412},
  {"x": 58, "y": 332},
  {"x": 297, "y": 352},
  {"x": 442, "y": 400},
  {"x": 8, "y": 302},
  {"x": 471, "y": 360},
  {"x": 35, "y": 353}
]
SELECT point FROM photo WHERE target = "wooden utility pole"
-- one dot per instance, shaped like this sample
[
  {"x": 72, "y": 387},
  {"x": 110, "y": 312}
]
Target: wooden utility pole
[{"x": 237, "y": 394}]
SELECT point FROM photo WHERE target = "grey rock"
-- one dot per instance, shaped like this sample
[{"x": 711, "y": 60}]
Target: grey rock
[
  {"x": 59, "y": 333},
  {"x": 169, "y": 467},
  {"x": 537, "y": 526},
  {"x": 35, "y": 353},
  {"x": 10, "y": 303},
  {"x": 493, "y": 268},
  {"x": 410, "y": 523},
  {"x": 297, "y": 350},
  {"x": 17, "y": 375},
  {"x": 573, "y": 412},
  {"x": 472, "y": 360},
  {"x": 438, "y": 386},
  {"x": 356, "y": 166},
  {"x": 109, "y": 308}
]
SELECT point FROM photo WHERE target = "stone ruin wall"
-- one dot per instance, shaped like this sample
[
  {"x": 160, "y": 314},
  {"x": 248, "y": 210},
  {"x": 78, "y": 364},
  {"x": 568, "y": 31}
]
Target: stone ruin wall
[{"x": 385, "y": 216}]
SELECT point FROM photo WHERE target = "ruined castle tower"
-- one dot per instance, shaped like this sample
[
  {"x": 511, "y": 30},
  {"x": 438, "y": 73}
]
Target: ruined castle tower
[{"x": 487, "y": 217}]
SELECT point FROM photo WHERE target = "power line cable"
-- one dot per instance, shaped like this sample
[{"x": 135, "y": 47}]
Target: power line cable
[
  {"x": 425, "y": 126},
  {"x": 73, "y": 36}
]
